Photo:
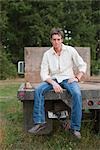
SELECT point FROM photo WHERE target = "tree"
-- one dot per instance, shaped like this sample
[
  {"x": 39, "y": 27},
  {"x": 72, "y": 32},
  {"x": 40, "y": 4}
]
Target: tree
[
  {"x": 7, "y": 69},
  {"x": 28, "y": 23}
]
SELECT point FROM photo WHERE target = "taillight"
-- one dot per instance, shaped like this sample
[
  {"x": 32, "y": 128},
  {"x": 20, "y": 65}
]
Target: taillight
[
  {"x": 98, "y": 103},
  {"x": 21, "y": 94}
]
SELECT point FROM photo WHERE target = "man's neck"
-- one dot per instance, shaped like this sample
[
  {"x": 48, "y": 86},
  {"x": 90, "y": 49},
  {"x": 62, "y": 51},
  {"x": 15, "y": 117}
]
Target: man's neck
[{"x": 58, "y": 51}]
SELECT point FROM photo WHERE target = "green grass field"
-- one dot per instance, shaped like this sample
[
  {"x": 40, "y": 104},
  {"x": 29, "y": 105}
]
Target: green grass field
[{"x": 13, "y": 137}]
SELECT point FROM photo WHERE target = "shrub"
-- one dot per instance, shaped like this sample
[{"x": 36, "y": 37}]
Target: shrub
[
  {"x": 7, "y": 68},
  {"x": 96, "y": 67}
]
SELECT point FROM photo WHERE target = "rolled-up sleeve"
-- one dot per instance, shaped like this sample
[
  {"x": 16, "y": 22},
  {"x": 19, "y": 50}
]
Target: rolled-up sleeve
[
  {"x": 44, "y": 72},
  {"x": 79, "y": 62}
]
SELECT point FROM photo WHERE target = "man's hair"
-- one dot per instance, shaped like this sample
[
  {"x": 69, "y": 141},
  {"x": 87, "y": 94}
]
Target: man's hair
[{"x": 58, "y": 31}]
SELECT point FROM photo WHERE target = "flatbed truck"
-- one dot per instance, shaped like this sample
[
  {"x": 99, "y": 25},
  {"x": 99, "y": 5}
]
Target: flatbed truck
[{"x": 58, "y": 106}]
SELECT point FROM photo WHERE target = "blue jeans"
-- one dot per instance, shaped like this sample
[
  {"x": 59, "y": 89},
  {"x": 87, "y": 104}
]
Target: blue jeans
[{"x": 76, "y": 109}]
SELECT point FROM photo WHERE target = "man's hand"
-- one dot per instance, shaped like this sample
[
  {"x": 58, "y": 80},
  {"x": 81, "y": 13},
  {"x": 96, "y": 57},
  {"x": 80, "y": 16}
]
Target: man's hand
[
  {"x": 57, "y": 88},
  {"x": 77, "y": 78},
  {"x": 72, "y": 80}
]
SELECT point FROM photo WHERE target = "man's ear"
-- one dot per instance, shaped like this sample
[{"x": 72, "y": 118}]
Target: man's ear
[
  {"x": 50, "y": 40},
  {"x": 62, "y": 39}
]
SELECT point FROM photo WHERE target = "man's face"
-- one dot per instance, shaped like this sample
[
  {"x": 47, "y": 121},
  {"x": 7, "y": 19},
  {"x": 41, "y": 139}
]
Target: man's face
[{"x": 56, "y": 41}]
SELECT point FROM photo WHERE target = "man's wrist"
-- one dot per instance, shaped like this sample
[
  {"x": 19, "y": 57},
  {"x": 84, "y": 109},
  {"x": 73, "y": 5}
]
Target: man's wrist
[
  {"x": 77, "y": 79},
  {"x": 53, "y": 83}
]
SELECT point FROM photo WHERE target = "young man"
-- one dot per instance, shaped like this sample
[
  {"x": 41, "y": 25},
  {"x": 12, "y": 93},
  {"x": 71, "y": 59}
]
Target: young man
[{"x": 57, "y": 73}]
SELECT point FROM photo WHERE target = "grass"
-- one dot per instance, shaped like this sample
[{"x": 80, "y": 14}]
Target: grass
[{"x": 13, "y": 137}]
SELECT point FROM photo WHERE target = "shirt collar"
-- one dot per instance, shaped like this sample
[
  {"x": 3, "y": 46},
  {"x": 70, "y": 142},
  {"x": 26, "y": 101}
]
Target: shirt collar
[{"x": 63, "y": 49}]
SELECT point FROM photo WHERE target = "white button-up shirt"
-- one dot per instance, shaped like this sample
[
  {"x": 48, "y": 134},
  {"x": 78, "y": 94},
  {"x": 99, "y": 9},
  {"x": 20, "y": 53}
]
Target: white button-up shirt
[{"x": 61, "y": 67}]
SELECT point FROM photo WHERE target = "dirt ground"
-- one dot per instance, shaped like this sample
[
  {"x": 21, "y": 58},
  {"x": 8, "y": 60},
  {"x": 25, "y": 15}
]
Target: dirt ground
[
  {"x": 19, "y": 80},
  {"x": 12, "y": 81},
  {"x": 92, "y": 80}
]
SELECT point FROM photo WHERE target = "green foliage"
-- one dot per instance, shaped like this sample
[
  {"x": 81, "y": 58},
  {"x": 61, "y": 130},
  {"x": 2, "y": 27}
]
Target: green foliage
[
  {"x": 28, "y": 23},
  {"x": 7, "y": 69},
  {"x": 96, "y": 67}
]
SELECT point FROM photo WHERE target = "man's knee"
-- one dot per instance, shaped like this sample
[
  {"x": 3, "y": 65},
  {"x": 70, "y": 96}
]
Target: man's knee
[{"x": 76, "y": 93}]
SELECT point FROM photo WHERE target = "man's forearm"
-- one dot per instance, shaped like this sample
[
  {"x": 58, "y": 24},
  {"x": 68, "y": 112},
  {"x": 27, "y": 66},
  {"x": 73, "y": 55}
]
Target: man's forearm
[
  {"x": 79, "y": 75},
  {"x": 57, "y": 88},
  {"x": 51, "y": 81}
]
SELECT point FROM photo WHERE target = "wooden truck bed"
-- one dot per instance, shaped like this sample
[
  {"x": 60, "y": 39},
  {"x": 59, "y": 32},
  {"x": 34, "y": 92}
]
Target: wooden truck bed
[{"x": 90, "y": 94}]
